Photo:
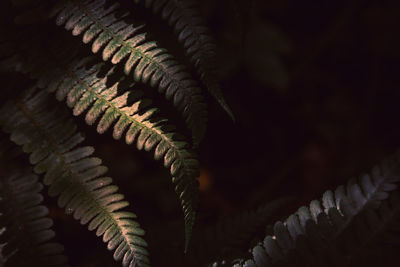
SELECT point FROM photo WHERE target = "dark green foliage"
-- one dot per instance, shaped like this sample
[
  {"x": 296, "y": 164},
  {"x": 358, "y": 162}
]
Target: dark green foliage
[
  {"x": 24, "y": 225},
  {"x": 120, "y": 72},
  {"x": 91, "y": 90},
  {"x": 73, "y": 175}
]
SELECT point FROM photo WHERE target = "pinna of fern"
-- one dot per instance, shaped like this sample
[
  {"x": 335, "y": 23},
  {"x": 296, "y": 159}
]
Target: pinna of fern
[
  {"x": 335, "y": 230},
  {"x": 73, "y": 175},
  {"x": 87, "y": 90},
  {"x": 184, "y": 17}
]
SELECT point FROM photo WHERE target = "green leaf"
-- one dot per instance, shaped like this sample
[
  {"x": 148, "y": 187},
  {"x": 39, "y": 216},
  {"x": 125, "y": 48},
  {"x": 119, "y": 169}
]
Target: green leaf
[
  {"x": 189, "y": 27},
  {"x": 73, "y": 175}
]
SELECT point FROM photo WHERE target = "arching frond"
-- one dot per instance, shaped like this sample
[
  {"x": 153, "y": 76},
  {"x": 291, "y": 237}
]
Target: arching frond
[
  {"x": 329, "y": 232},
  {"x": 90, "y": 88},
  {"x": 106, "y": 28},
  {"x": 188, "y": 25},
  {"x": 27, "y": 234},
  {"x": 73, "y": 175}
]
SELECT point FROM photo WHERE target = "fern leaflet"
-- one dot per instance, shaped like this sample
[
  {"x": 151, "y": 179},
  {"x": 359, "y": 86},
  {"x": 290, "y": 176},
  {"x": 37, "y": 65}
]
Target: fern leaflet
[{"x": 184, "y": 17}]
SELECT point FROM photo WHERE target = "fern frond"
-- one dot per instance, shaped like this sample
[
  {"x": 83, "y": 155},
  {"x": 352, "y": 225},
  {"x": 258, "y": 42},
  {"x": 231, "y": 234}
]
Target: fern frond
[
  {"x": 106, "y": 29},
  {"x": 107, "y": 99},
  {"x": 323, "y": 233},
  {"x": 73, "y": 175},
  {"x": 188, "y": 25},
  {"x": 86, "y": 89},
  {"x": 27, "y": 228}
]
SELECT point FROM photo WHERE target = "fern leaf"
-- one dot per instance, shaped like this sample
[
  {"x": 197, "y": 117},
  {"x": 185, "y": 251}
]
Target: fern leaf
[
  {"x": 73, "y": 175},
  {"x": 107, "y": 102},
  {"x": 27, "y": 227},
  {"x": 188, "y": 25},
  {"x": 106, "y": 28},
  {"x": 324, "y": 232}
]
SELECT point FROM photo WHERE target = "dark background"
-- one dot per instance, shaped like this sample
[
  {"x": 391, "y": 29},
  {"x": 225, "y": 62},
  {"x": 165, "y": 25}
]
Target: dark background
[{"x": 314, "y": 87}]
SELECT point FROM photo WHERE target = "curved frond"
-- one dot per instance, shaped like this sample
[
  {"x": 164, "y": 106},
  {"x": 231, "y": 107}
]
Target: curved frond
[
  {"x": 27, "y": 234},
  {"x": 330, "y": 230},
  {"x": 188, "y": 25},
  {"x": 90, "y": 88},
  {"x": 73, "y": 174},
  {"x": 105, "y": 27}
]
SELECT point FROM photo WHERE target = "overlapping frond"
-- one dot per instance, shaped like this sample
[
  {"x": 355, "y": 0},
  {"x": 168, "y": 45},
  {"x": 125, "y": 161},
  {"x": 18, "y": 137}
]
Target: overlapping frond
[
  {"x": 115, "y": 103},
  {"x": 73, "y": 174},
  {"x": 105, "y": 26},
  {"x": 328, "y": 232},
  {"x": 27, "y": 229},
  {"x": 189, "y": 26}
]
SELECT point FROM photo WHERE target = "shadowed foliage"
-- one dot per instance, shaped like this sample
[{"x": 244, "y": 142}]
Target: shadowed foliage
[{"x": 136, "y": 85}]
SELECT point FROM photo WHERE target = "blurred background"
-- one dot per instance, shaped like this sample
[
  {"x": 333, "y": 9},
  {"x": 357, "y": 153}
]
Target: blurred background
[{"x": 314, "y": 87}]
